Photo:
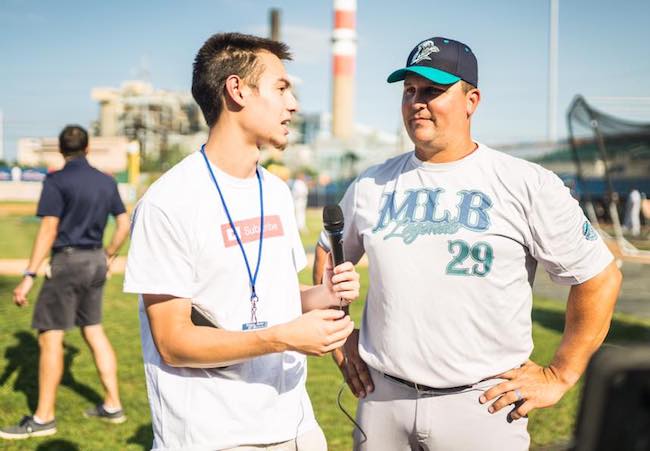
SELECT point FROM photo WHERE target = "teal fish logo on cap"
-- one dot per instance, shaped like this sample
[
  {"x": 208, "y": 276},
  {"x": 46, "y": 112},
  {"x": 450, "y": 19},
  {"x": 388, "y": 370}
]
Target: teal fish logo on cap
[{"x": 425, "y": 49}]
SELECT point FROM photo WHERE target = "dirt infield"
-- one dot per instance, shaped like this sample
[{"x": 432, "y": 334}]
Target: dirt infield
[
  {"x": 643, "y": 257},
  {"x": 17, "y": 209},
  {"x": 15, "y": 267},
  {"x": 633, "y": 299}
]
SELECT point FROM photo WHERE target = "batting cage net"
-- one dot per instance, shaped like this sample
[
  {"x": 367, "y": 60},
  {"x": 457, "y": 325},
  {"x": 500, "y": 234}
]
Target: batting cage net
[
  {"x": 612, "y": 155},
  {"x": 612, "y": 158}
]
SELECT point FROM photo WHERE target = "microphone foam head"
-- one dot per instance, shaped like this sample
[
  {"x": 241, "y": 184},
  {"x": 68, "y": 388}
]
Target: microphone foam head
[{"x": 333, "y": 218}]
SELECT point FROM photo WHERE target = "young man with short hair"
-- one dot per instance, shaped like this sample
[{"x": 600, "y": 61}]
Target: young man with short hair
[
  {"x": 453, "y": 232},
  {"x": 217, "y": 233},
  {"x": 74, "y": 208}
]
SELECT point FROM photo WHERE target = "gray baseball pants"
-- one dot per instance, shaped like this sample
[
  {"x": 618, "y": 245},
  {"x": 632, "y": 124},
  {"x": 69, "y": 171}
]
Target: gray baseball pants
[{"x": 396, "y": 417}]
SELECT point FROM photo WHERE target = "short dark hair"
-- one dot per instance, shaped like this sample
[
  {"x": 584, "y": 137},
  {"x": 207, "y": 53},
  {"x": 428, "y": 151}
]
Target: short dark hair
[
  {"x": 223, "y": 55},
  {"x": 73, "y": 139},
  {"x": 467, "y": 87}
]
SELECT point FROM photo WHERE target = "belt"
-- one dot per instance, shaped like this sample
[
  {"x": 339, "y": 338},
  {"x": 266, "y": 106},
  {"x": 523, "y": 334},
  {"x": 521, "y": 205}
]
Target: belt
[
  {"x": 420, "y": 387},
  {"x": 71, "y": 249}
]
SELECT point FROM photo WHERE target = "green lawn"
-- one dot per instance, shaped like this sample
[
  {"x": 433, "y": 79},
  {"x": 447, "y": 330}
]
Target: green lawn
[
  {"x": 314, "y": 227},
  {"x": 17, "y": 235},
  {"x": 81, "y": 388}
]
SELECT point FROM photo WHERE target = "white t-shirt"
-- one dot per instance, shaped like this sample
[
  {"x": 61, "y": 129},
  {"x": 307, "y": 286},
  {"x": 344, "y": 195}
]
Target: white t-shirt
[
  {"x": 452, "y": 251},
  {"x": 182, "y": 245}
]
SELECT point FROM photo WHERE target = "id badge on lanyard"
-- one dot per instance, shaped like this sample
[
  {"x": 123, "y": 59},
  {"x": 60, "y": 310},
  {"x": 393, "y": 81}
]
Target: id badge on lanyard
[{"x": 254, "y": 299}]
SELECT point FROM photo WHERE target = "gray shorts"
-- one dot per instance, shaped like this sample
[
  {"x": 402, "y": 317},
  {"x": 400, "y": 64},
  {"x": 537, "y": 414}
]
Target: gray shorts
[
  {"x": 72, "y": 295},
  {"x": 396, "y": 417}
]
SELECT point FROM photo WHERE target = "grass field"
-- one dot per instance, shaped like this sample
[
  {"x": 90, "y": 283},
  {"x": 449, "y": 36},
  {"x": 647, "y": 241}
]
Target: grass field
[
  {"x": 17, "y": 232},
  {"x": 81, "y": 389}
]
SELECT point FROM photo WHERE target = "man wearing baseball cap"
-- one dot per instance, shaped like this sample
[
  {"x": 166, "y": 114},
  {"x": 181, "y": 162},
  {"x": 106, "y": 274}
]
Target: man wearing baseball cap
[{"x": 453, "y": 232}]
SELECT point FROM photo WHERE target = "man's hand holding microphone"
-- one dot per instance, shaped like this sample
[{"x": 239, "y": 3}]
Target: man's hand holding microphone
[
  {"x": 325, "y": 325},
  {"x": 353, "y": 368}
]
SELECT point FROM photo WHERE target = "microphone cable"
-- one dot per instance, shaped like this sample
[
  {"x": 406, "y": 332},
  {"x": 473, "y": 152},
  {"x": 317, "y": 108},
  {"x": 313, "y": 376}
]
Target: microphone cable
[
  {"x": 342, "y": 388},
  {"x": 333, "y": 225}
]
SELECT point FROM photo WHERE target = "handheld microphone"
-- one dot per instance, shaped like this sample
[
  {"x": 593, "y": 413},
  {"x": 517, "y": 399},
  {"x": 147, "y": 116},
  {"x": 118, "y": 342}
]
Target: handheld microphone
[{"x": 333, "y": 224}]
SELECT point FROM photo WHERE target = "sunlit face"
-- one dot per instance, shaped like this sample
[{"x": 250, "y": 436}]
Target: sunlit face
[
  {"x": 270, "y": 105},
  {"x": 433, "y": 113}
]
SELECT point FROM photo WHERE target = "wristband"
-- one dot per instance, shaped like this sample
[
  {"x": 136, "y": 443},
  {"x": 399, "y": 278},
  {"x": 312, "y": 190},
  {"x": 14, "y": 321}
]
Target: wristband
[{"x": 29, "y": 274}]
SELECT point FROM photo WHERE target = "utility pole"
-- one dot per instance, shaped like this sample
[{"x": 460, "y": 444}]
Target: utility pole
[
  {"x": 274, "y": 19},
  {"x": 552, "y": 70},
  {"x": 2, "y": 136}
]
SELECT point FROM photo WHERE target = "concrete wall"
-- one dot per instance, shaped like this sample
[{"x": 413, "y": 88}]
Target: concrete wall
[
  {"x": 30, "y": 191},
  {"x": 106, "y": 153}
]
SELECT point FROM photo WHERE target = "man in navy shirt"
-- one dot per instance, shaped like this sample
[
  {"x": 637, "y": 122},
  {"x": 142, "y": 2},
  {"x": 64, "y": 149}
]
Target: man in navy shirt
[{"x": 74, "y": 207}]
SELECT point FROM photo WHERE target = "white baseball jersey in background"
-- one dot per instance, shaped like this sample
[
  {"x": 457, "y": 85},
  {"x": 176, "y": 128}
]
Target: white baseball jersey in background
[
  {"x": 452, "y": 251},
  {"x": 182, "y": 245}
]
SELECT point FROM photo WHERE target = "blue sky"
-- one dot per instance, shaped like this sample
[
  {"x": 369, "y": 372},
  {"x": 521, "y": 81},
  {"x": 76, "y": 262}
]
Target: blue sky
[{"x": 52, "y": 53}]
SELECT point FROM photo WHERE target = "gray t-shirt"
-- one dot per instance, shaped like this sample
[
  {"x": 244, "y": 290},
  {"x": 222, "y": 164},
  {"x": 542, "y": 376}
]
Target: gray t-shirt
[{"x": 452, "y": 251}]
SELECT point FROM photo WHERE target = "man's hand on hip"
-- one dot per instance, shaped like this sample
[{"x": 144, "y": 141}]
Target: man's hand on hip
[
  {"x": 528, "y": 387},
  {"x": 354, "y": 369}
]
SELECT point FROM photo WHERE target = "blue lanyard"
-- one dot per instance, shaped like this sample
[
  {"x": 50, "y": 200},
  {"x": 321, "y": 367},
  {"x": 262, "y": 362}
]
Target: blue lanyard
[{"x": 252, "y": 278}]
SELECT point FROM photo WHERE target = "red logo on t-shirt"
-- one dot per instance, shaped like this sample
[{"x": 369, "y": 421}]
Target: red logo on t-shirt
[{"x": 249, "y": 230}]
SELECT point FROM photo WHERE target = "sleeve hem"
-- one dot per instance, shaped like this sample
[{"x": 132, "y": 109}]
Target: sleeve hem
[
  {"x": 578, "y": 279},
  {"x": 322, "y": 243},
  {"x": 301, "y": 265},
  {"x": 146, "y": 289},
  {"x": 570, "y": 280}
]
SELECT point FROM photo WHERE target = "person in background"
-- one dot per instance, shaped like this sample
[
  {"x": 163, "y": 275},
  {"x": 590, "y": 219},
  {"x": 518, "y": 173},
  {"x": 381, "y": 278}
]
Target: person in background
[
  {"x": 74, "y": 207},
  {"x": 632, "y": 221},
  {"x": 300, "y": 193}
]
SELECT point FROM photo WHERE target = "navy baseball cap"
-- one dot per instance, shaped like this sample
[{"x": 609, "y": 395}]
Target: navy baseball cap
[{"x": 440, "y": 60}]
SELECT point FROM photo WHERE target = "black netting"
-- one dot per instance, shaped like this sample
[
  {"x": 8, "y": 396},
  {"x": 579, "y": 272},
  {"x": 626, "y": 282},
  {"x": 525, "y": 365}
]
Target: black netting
[{"x": 611, "y": 154}]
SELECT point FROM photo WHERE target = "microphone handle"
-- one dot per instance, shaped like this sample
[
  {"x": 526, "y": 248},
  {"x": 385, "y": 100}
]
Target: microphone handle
[{"x": 336, "y": 247}]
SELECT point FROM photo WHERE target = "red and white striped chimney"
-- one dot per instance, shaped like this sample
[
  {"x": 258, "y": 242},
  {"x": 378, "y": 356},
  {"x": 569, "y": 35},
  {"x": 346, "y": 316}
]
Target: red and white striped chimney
[{"x": 344, "y": 49}]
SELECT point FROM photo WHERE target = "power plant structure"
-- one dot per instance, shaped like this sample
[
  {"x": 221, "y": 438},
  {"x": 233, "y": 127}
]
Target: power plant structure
[{"x": 156, "y": 118}]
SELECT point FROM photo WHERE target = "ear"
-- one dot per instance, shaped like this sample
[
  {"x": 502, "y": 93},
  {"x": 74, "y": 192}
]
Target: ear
[
  {"x": 472, "y": 99},
  {"x": 236, "y": 90}
]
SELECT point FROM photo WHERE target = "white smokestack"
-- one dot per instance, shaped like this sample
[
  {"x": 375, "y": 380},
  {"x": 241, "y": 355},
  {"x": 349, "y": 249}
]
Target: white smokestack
[{"x": 344, "y": 49}]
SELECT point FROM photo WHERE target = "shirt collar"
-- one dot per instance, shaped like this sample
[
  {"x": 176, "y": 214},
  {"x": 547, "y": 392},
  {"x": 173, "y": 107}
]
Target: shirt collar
[{"x": 76, "y": 162}]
